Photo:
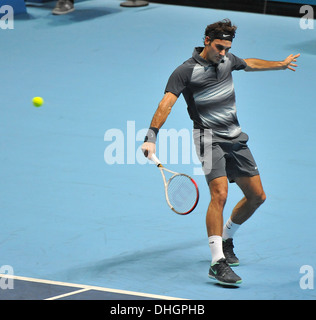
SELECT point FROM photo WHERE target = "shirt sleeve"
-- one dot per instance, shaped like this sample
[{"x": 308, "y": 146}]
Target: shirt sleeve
[
  {"x": 237, "y": 63},
  {"x": 178, "y": 80}
]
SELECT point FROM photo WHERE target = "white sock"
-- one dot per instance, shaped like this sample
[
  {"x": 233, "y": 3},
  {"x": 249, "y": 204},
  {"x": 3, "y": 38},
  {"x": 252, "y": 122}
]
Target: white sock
[
  {"x": 229, "y": 229},
  {"x": 216, "y": 246}
]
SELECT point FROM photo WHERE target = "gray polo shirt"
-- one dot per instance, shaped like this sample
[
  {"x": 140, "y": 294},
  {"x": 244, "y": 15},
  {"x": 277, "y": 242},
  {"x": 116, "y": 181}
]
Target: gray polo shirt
[{"x": 209, "y": 92}]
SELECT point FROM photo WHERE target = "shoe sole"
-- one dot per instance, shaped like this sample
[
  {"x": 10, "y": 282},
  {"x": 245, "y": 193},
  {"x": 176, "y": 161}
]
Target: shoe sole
[
  {"x": 58, "y": 13},
  {"x": 237, "y": 283},
  {"x": 234, "y": 264}
]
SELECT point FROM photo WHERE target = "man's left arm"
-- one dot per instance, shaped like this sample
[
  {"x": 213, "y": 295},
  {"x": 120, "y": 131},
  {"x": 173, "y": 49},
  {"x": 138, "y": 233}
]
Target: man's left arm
[{"x": 264, "y": 65}]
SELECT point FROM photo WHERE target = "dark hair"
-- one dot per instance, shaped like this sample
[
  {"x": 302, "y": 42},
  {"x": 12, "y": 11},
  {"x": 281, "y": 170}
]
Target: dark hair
[{"x": 217, "y": 29}]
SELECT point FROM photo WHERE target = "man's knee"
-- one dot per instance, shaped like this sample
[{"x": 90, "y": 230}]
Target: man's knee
[
  {"x": 220, "y": 197},
  {"x": 258, "y": 199},
  {"x": 219, "y": 192}
]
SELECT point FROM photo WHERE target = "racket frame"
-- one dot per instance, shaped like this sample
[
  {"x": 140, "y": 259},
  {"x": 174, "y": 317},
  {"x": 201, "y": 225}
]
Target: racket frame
[{"x": 166, "y": 184}]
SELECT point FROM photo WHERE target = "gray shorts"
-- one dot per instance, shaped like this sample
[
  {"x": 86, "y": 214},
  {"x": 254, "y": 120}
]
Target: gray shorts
[{"x": 224, "y": 157}]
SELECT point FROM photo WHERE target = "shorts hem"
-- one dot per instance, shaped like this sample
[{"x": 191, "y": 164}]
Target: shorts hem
[
  {"x": 249, "y": 175},
  {"x": 231, "y": 179}
]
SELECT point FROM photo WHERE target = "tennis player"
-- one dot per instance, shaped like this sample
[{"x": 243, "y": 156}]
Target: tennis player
[{"x": 205, "y": 80}]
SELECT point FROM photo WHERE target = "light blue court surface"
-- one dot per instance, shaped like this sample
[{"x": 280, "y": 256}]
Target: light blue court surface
[{"x": 69, "y": 215}]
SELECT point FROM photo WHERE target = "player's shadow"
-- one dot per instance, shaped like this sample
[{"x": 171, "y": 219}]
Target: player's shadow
[
  {"x": 142, "y": 265},
  {"x": 225, "y": 286}
]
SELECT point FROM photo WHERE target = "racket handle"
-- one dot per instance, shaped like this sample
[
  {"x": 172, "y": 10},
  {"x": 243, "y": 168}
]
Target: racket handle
[{"x": 155, "y": 159}]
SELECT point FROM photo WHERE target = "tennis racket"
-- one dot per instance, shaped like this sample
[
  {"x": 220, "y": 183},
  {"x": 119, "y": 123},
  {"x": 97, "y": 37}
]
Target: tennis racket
[{"x": 181, "y": 191}]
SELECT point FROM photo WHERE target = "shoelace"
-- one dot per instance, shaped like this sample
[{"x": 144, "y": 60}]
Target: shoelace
[{"x": 223, "y": 267}]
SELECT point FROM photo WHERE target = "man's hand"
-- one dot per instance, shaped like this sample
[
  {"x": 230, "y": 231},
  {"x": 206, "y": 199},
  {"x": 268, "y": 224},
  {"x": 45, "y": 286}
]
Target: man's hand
[
  {"x": 288, "y": 62},
  {"x": 148, "y": 148}
]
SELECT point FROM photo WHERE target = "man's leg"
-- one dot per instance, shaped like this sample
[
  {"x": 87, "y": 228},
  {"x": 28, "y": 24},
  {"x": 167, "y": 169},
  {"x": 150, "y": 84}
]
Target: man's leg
[
  {"x": 214, "y": 217},
  {"x": 254, "y": 197},
  {"x": 219, "y": 268}
]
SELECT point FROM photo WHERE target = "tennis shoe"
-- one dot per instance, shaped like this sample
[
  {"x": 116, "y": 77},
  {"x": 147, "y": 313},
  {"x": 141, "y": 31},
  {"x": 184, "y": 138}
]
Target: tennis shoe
[
  {"x": 63, "y": 7},
  {"x": 223, "y": 273},
  {"x": 229, "y": 254}
]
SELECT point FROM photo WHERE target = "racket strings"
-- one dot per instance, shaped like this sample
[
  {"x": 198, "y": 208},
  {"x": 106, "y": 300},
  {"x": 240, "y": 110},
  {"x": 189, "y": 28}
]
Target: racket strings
[{"x": 182, "y": 193}]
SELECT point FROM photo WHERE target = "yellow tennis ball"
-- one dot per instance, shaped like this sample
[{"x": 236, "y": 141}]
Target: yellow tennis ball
[{"x": 37, "y": 101}]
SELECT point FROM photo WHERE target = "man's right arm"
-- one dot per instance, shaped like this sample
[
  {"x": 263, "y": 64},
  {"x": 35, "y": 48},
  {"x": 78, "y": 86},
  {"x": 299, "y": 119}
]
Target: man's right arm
[{"x": 159, "y": 118}]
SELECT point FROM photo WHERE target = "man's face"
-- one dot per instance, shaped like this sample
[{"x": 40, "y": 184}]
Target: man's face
[{"x": 217, "y": 49}]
